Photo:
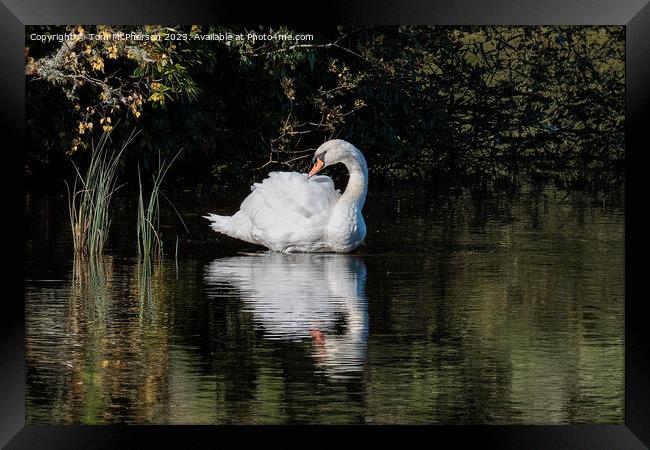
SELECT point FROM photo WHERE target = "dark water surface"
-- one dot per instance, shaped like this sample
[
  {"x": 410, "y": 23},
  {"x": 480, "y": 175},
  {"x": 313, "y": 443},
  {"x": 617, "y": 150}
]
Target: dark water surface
[{"x": 457, "y": 309}]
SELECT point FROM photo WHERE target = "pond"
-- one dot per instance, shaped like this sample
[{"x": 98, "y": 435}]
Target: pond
[{"x": 489, "y": 308}]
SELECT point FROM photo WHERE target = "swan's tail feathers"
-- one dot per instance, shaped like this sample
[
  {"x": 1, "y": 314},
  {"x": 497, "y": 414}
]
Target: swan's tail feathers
[
  {"x": 238, "y": 226},
  {"x": 220, "y": 224}
]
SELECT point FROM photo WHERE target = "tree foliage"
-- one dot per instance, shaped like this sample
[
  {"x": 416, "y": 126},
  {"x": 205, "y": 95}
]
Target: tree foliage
[{"x": 489, "y": 102}]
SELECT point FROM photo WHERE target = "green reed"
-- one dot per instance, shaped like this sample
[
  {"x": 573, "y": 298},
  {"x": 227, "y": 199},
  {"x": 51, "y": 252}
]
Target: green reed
[
  {"x": 148, "y": 226},
  {"x": 90, "y": 196}
]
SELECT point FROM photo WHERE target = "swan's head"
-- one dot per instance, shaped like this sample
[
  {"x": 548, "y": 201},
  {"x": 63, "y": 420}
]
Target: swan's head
[{"x": 334, "y": 152}]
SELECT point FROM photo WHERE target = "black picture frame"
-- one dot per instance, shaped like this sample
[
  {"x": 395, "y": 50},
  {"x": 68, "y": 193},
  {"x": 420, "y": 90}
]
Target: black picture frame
[{"x": 633, "y": 14}]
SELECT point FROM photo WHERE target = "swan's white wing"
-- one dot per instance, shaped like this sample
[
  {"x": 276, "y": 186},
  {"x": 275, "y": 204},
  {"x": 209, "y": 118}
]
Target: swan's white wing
[{"x": 288, "y": 207}]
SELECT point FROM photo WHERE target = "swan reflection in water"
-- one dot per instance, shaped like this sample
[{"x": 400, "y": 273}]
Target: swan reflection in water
[{"x": 296, "y": 297}]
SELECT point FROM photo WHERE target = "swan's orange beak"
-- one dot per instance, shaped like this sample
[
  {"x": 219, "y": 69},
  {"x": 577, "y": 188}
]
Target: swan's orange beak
[{"x": 317, "y": 167}]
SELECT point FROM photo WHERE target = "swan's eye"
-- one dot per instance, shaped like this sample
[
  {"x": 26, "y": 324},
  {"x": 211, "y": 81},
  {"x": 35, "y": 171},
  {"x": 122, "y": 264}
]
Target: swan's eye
[{"x": 320, "y": 156}]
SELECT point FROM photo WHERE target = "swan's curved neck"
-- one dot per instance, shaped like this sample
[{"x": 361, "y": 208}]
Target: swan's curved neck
[{"x": 357, "y": 188}]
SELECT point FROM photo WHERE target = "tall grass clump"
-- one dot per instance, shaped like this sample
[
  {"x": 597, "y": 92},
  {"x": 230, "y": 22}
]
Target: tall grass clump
[
  {"x": 149, "y": 237},
  {"x": 89, "y": 198}
]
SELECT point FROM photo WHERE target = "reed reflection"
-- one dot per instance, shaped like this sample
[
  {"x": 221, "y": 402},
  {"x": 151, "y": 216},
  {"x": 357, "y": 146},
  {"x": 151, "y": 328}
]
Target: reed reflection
[{"x": 300, "y": 297}]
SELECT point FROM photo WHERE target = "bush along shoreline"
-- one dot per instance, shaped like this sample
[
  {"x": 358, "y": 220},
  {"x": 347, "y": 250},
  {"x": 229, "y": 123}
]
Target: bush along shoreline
[{"x": 482, "y": 104}]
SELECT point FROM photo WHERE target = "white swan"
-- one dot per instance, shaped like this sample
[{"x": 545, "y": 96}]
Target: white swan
[{"x": 296, "y": 212}]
